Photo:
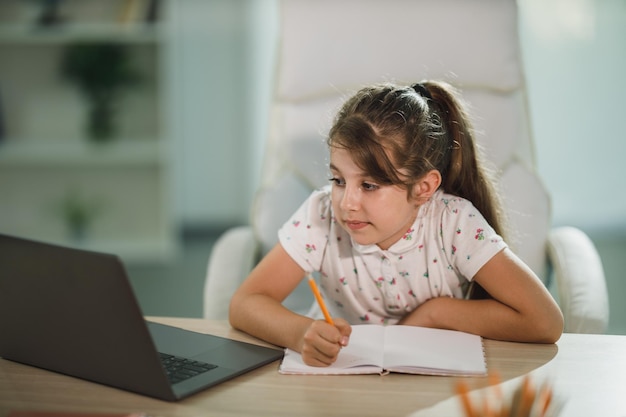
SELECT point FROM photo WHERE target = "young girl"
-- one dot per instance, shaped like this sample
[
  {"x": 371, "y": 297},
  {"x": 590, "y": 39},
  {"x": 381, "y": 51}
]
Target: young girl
[{"x": 409, "y": 221}]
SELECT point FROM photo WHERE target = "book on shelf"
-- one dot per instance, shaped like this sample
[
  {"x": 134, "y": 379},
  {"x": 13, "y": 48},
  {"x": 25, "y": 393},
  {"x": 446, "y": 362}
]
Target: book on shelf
[
  {"x": 2, "y": 131},
  {"x": 378, "y": 349},
  {"x": 33, "y": 413},
  {"x": 138, "y": 11}
]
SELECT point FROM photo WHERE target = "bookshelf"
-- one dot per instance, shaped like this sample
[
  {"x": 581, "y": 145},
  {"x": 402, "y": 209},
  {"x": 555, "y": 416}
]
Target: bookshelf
[{"x": 58, "y": 183}]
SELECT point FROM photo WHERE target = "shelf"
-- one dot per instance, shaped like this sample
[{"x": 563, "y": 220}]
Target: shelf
[
  {"x": 45, "y": 154},
  {"x": 127, "y": 152},
  {"x": 134, "y": 251},
  {"x": 86, "y": 32},
  {"x": 130, "y": 251}
]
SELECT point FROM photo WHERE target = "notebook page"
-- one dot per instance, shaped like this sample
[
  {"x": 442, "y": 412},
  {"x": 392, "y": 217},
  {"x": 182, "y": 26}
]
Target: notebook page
[{"x": 433, "y": 351}]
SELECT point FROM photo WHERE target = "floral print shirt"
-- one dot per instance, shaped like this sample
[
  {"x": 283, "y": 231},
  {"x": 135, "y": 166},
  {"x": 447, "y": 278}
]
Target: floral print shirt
[{"x": 438, "y": 256}]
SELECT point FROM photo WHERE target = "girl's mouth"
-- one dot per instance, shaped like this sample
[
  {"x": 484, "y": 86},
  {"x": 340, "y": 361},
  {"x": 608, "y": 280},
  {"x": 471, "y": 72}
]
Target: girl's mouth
[{"x": 355, "y": 225}]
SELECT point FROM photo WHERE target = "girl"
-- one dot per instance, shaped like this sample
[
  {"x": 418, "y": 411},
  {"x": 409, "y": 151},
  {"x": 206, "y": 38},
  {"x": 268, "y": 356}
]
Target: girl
[{"x": 409, "y": 221}]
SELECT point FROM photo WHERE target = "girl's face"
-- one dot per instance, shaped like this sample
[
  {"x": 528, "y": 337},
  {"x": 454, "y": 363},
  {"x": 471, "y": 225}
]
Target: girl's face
[{"x": 370, "y": 213}]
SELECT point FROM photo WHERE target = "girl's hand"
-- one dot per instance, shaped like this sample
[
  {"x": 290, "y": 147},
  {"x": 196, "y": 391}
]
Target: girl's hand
[{"x": 322, "y": 342}]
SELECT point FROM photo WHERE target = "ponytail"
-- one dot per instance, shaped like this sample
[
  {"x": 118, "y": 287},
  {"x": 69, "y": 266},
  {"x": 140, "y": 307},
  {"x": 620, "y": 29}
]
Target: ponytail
[{"x": 465, "y": 174}]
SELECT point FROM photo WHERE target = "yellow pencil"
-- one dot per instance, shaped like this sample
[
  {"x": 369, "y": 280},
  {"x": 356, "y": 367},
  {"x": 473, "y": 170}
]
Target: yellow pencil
[
  {"x": 320, "y": 300},
  {"x": 462, "y": 389}
]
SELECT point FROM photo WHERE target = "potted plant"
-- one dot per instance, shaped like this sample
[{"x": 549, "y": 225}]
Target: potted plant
[
  {"x": 101, "y": 70},
  {"x": 78, "y": 214}
]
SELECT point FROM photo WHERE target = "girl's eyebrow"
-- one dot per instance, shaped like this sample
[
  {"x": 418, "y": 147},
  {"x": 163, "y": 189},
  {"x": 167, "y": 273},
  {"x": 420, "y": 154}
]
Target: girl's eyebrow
[{"x": 332, "y": 167}]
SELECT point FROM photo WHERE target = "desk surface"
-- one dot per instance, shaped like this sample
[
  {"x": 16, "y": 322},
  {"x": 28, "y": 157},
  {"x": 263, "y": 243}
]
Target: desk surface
[{"x": 589, "y": 371}]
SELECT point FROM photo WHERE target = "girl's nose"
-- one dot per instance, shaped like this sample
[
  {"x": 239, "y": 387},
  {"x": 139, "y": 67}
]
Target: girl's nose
[{"x": 351, "y": 199}]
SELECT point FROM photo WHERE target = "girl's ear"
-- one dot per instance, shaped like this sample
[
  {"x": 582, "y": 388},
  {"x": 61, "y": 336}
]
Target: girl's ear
[{"x": 426, "y": 186}]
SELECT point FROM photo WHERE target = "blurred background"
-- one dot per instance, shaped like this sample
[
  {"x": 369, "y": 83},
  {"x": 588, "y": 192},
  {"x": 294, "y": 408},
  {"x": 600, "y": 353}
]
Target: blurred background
[{"x": 137, "y": 127}]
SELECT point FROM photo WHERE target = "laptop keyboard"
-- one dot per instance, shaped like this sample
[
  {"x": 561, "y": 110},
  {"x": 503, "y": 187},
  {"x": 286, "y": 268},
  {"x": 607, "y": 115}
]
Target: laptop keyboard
[{"x": 178, "y": 369}]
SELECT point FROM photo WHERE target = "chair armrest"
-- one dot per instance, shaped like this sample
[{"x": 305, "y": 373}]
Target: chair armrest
[
  {"x": 232, "y": 257},
  {"x": 581, "y": 285}
]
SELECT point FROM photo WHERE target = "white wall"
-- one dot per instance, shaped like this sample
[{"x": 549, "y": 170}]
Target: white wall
[
  {"x": 220, "y": 68},
  {"x": 575, "y": 57}
]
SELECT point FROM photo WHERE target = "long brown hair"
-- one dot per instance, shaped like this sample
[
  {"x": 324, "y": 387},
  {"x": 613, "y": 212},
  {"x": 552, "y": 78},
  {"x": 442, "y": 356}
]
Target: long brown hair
[{"x": 397, "y": 134}]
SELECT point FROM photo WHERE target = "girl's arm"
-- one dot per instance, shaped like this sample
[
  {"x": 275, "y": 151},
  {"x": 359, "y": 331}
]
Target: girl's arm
[
  {"x": 257, "y": 310},
  {"x": 521, "y": 308}
]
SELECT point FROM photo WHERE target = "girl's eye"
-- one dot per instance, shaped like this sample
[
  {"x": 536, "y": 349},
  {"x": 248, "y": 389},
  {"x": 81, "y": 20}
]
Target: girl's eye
[
  {"x": 337, "y": 181},
  {"x": 369, "y": 187},
  {"x": 366, "y": 186}
]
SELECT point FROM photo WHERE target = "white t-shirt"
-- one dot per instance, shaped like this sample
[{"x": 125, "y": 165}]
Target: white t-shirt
[{"x": 438, "y": 256}]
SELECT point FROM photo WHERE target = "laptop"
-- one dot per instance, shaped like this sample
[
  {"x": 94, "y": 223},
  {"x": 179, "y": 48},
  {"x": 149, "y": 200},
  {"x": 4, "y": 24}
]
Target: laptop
[{"x": 73, "y": 311}]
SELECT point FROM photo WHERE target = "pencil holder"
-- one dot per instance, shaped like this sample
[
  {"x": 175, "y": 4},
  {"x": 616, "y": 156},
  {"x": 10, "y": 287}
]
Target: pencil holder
[{"x": 526, "y": 400}]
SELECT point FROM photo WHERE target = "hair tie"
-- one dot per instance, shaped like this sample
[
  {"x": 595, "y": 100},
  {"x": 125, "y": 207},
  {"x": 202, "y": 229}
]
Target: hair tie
[{"x": 422, "y": 90}]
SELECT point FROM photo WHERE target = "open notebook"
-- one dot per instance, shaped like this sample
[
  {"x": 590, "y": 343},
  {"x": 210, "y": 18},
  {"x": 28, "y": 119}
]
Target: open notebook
[{"x": 405, "y": 349}]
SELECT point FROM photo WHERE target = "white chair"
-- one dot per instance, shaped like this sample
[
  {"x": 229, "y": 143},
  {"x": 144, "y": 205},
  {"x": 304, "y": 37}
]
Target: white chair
[{"x": 329, "y": 49}]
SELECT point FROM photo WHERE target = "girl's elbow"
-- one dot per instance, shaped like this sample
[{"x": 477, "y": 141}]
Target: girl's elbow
[
  {"x": 232, "y": 319},
  {"x": 558, "y": 327},
  {"x": 233, "y": 310},
  {"x": 551, "y": 329}
]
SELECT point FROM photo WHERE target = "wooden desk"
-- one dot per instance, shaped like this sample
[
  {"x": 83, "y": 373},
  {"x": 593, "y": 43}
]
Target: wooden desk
[{"x": 588, "y": 370}]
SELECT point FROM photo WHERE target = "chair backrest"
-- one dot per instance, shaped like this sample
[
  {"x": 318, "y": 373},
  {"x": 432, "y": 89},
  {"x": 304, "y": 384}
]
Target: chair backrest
[{"x": 331, "y": 48}]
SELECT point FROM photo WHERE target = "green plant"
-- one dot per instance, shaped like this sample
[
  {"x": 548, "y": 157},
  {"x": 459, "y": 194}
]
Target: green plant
[
  {"x": 101, "y": 71},
  {"x": 78, "y": 213}
]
